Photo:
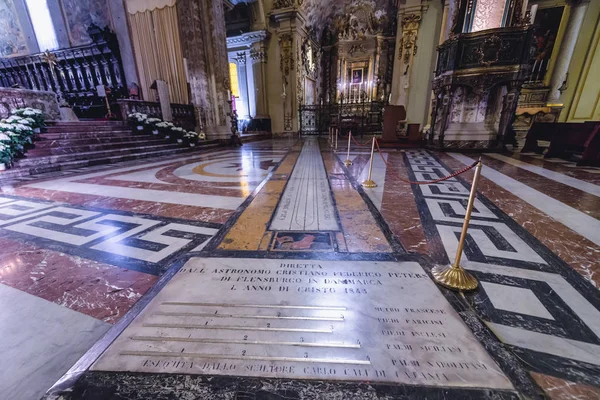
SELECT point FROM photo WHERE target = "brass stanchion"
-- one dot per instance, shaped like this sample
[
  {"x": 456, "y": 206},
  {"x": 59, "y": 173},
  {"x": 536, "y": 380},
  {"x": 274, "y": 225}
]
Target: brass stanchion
[
  {"x": 454, "y": 276},
  {"x": 348, "y": 163},
  {"x": 369, "y": 184}
]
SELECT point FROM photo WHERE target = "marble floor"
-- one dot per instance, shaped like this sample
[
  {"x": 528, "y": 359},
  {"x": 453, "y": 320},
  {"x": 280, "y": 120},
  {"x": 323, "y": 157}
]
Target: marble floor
[{"x": 268, "y": 272}]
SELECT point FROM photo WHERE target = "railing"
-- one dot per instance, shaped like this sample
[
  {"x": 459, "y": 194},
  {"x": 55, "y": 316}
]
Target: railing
[
  {"x": 361, "y": 118},
  {"x": 183, "y": 114},
  {"x": 75, "y": 74},
  {"x": 492, "y": 47}
]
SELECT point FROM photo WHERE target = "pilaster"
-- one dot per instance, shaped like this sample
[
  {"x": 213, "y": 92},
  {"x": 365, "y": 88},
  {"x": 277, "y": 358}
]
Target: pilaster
[{"x": 203, "y": 41}]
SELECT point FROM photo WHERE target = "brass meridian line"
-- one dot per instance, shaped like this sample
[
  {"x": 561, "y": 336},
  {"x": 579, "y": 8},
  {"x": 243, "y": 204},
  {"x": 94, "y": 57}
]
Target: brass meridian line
[
  {"x": 227, "y": 341},
  {"x": 208, "y": 315},
  {"x": 236, "y": 328},
  {"x": 178, "y": 303},
  {"x": 231, "y": 357}
]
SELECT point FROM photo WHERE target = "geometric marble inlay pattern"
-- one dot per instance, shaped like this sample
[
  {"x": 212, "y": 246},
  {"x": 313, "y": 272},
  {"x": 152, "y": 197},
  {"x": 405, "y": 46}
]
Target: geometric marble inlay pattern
[
  {"x": 127, "y": 240},
  {"x": 530, "y": 298}
]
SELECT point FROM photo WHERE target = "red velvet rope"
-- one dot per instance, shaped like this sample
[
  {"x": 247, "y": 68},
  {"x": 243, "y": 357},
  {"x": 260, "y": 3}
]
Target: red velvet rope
[{"x": 452, "y": 175}]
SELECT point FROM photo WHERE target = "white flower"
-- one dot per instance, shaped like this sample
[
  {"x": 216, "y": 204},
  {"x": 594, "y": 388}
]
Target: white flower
[
  {"x": 162, "y": 125},
  {"x": 4, "y": 137},
  {"x": 5, "y": 125}
]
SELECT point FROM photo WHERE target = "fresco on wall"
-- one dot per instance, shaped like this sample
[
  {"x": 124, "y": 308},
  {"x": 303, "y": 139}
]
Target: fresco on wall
[
  {"x": 12, "y": 39},
  {"x": 350, "y": 19},
  {"x": 80, "y": 14}
]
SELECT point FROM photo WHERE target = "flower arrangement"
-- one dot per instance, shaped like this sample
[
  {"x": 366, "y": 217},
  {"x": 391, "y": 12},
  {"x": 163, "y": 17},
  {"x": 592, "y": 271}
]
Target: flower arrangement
[
  {"x": 137, "y": 120},
  {"x": 151, "y": 123},
  {"x": 35, "y": 117},
  {"x": 17, "y": 133},
  {"x": 177, "y": 134}
]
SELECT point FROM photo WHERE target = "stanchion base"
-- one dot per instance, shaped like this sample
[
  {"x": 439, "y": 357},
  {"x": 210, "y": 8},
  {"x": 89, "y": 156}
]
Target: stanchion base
[
  {"x": 369, "y": 184},
  {"x": 347, "y": 163},
  {"x": 454, "y": 278}
]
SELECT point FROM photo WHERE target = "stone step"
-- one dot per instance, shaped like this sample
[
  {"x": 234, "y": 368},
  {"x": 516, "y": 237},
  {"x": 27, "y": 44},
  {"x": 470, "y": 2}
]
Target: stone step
[
  {"x": 85, "y": 135},
  {"x": 71, "y": 148},
  {"x": 17, "y": 172},
  {"x": 44, "y": 143},
  {"x": 91, "y": 155},
  {"x": 86, "y": 123},
  {"x": 86, "y": 129}
]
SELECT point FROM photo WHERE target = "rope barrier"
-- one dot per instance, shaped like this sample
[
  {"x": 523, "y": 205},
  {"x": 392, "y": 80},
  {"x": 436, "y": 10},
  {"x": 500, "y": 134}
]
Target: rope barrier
[
  {"x": 361, "y": 145},
  {"x": 452, "y": 175}
]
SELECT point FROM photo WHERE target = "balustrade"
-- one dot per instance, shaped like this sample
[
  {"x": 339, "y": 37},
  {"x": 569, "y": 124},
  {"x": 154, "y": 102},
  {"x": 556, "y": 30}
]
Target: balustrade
[{"x": 74, "y": 74}]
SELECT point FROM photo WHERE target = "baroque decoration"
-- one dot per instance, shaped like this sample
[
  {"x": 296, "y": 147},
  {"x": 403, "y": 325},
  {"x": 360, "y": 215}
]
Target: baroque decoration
[{"x": 408, "y": 43}]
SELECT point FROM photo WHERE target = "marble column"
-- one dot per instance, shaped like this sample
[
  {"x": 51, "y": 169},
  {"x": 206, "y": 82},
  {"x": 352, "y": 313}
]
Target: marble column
[
  {"x": 203, "y": 42},
  {"x": 258, "y": 55},
  {"x": 567, "y": 47}
]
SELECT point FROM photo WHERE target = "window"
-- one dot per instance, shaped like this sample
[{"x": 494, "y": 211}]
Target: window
[
  {"x": 233, "y": 77},
  {"x": 42, "y": 24}
]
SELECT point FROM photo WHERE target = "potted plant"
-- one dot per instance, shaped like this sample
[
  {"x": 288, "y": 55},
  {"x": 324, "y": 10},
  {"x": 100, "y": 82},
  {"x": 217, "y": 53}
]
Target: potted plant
[
  {"x": 6, "y": 154},
  {"x": 177, "y": 134},
  {"x": 190, "y": 138},
  {"x": 34, "y": 116},
  {"x": 136, "y": 120},
  {"x": 164, "y": 128},
  {"x": 150, "y": 124}
]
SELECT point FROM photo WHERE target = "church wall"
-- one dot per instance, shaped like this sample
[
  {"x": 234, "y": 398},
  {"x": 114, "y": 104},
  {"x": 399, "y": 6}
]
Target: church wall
[
  {"x": 582, "y": 96},
  {"x": 16, "y": 32},
  {"x": 423, "y": 65}
]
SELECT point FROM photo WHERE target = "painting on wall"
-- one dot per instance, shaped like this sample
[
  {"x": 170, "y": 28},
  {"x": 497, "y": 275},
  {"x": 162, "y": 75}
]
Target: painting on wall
[
  {"x": 80, "y": 14},
  {"x": 548, "y": 20},
  {"x": 310, "y": 92},
  {"x": 12, "y": 39},
  {"x": 357, "y": 75}
]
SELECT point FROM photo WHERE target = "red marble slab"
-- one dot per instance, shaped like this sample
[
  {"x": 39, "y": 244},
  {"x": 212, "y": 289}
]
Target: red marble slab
[
  {"x": 399, "y": 208},
  {"x": 99, "y": 290},
  {"x": 560, "y": 389},
  {"x": 205, "y": 214}
]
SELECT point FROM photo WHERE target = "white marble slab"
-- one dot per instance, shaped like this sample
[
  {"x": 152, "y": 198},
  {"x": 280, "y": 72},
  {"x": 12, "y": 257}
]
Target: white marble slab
[
  {"x": 40, "y": 342},
  {"x": 334, "y": 320},
  {"x": 306, "y": 203}
]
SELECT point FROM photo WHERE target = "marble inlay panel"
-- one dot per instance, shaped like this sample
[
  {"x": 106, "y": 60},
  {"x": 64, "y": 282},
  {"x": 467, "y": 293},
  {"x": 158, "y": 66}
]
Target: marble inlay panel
[
  {"x": 531, "y": 299},
  {"x": 306, "y": 203},
  {"x": 143, "y": 243},
  {"x": 375, "y": 321}
]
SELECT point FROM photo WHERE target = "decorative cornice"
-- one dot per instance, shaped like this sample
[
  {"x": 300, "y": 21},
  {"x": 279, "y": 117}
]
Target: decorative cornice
[
  {"x": 246, "y": 39},
  {"x": 258, "y": 55}
]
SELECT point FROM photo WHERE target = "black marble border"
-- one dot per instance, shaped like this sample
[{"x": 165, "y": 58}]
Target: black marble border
[{"x": 139, "y": 386}]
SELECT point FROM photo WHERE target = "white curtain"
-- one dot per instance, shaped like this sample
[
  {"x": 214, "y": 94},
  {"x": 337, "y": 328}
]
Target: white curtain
[{"x": 135, "y": 6}]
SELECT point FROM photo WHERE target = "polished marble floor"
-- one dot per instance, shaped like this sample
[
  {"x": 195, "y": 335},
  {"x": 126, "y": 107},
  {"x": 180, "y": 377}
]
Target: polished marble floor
[{"x": 88, "y": 253}]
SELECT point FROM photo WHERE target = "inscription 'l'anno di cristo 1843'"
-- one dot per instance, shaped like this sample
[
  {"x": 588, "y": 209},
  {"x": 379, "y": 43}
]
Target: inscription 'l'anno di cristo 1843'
[{"x": 340, "y": 320}]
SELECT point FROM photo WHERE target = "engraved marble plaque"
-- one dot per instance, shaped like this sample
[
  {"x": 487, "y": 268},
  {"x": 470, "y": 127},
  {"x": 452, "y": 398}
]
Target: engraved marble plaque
[{"x": 335, "y": 320}]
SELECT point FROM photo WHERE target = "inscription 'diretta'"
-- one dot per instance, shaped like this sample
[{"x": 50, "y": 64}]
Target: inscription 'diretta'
[{"x": 341, "y": 320}]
